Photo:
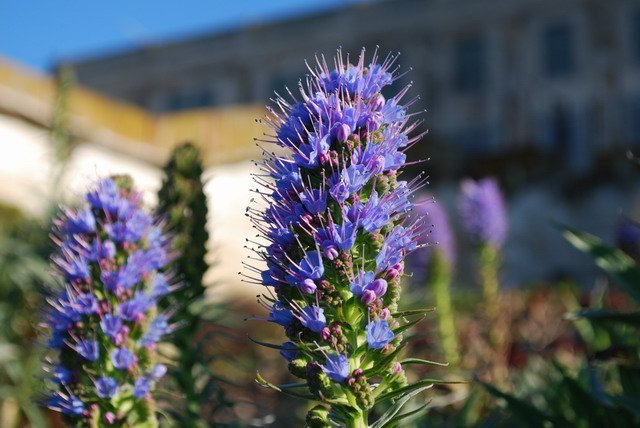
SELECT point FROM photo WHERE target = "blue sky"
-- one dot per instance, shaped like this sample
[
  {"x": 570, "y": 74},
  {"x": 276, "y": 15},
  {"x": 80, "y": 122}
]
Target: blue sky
[{"x": 38, "y": 33}]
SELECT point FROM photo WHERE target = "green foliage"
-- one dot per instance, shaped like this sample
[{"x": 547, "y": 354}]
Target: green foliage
[
  {"x": 605, "y": 389},
  {"x": 439, "y": 281},
  {"x": 183, "y": 205},
  {"x": 23, "y": 271}
]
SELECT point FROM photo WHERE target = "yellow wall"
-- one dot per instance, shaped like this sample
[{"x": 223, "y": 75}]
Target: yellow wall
[{"x": 225, "y": 135}]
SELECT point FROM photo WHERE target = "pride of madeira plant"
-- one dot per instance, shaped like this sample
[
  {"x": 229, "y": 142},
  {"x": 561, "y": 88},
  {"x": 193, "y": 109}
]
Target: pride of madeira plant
[
  {"x": 336, "y": 239},
  {"x": 183, "y": 205},
  {"x": 103, "y": 321}
]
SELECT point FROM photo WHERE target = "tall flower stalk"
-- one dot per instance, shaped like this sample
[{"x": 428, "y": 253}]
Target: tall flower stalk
[
  {"x": 332, "y": 216},
  {"x": 484, "y": 218},
  {"x": 438, "y": 259},
  {"x": 183, "y": 204},
  {"x": 103, "y": 321}
]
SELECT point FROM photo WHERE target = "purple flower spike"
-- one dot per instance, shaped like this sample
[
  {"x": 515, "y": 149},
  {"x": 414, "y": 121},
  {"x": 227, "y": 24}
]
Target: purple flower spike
[
  {"x": 335, "y": 229},
  {"x": 483, "y": 212},
  {"x": 111, "y": 258}
]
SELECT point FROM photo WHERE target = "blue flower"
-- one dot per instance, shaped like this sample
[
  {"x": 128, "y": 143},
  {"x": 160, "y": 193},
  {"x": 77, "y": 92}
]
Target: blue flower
[
  {"x": 280, "y": 315},
  {"x": 102, "y": 250},
  {"x": 337, "y": 367},
  {"x": 111, "y": 325},
  {"x": 308, "y": 155},
  {"x": 86, "y": 303},
  {"x": 141, "y": 387},
  {"x": 158, "y": 327},
  {"x": 73, "y": 267},
  {"x": 67, "y": 404},
  {"x": 135, "y": 308},
  {"x": 348, "y": 182},
  {"x": 106, "y": 387},
  {"x": 61, "y": 374},
  {"x": 313, "y": 318},
  {"x": 105, "y": 196},
  {"x": 314, "y": 200},
  {"x": 80, "y": 222},
  {"x": 378, "y": 334},
  {"x": 157, "y": 372},
  {"x": 289, "y": 351},
  {"x": 88, "y": 349},
  {"x": 122, "y": 358}
]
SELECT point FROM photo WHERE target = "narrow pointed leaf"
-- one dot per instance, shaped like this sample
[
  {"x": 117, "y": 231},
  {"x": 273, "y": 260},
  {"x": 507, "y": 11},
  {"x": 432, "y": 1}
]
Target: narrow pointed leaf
[{"x": 613, "y": 261}]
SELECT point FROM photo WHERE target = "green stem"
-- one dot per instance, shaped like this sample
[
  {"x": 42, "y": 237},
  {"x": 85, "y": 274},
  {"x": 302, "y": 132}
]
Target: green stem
[
  {"x": 489, "y": 264},
  {"x": 440, "y": 282},
  {"x": 359, "y": 420}
]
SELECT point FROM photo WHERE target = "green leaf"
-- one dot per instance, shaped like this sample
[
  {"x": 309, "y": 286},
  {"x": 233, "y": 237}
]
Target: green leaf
[
  {"x": 408, "y": 361},
  {"x": 408, "y": 325},
  {"x": 422, "y": 383},
  {"x": 411, "y": 312},
  {"x": 388, "y": 416},
  {"x": 410, "y": 415},
  {"x": 632, "y": 318},
  {"x": 266, "y": 344},
  {"x": 528, "y": 415},
  {"x": 383, "y": 363},
  {"x": 582, "y": 402},
  {"x": 264, "y": 383},
  {"x": 613, "y": 261}
]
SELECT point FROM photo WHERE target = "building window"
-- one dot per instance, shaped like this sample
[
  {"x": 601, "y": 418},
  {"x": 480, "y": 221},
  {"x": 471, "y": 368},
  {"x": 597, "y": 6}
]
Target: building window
[
  {"x": 185, "y": 100},
  {"x": 558, "y": 50},
  {"x": 470, "y": 65}
]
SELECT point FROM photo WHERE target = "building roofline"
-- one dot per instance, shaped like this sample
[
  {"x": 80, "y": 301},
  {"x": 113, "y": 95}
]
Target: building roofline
[{"x": 209, "y": 35}]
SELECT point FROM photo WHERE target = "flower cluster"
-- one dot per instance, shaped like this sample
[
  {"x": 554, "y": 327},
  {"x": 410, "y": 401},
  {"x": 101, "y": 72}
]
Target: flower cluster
[
  {"x": 103, "y": 323},
  {"x": 335, "y": 230},
  {"x": 483, "y": 212}
]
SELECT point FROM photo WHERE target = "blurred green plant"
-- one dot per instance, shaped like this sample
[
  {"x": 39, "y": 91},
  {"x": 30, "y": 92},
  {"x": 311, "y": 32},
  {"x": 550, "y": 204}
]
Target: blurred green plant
[
  {"x": 183, "y": 204},
  {"x": 604, "y": 390},
  {"x": 60, "y": 134},
  {"x": 23, "y": 270},
  {"x": 439, "y": 281}
]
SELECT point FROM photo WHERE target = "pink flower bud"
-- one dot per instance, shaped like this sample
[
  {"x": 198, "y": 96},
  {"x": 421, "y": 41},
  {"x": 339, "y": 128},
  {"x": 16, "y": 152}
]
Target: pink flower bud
[
  {"x": 109, "y": 418},
  {"x": 379, "y": 287},
  {"x": 342, "y": 132},
  {"x": 368, "y": 297},
  {"x": 308, "y": 286}
]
